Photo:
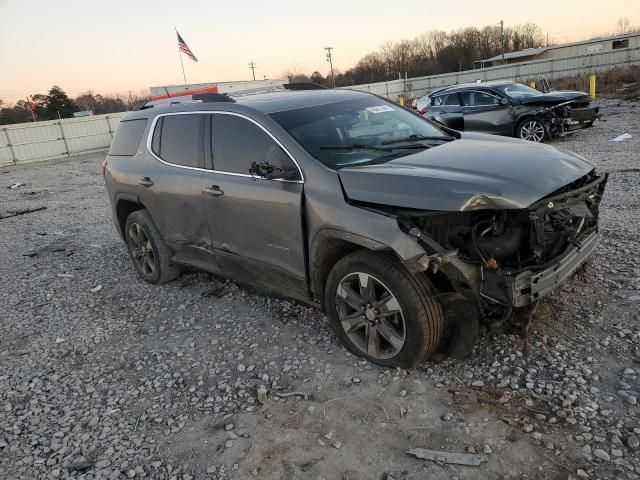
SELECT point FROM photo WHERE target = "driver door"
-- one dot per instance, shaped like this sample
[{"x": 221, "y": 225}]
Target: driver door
[
  {"x": 484, "y": 112},
  {"x": 255, "y": 223}
]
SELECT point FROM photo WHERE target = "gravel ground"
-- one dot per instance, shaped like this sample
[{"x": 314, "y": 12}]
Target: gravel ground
[{"x": 104, "y": 376}]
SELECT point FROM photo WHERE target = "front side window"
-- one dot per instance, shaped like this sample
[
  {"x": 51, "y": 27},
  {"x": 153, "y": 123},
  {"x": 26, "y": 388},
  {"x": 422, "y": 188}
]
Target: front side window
[
  {"x": 179, "y": 139},
  {"x": 237, "y": 142}
]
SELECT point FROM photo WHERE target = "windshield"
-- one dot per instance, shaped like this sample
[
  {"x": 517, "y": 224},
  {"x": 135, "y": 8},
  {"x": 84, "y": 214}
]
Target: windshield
[
  {"x": 517, "y": 90},
  {"x": 361, "y": 131}
]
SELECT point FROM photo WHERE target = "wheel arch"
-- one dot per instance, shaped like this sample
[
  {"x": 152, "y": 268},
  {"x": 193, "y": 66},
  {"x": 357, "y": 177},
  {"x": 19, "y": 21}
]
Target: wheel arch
[
  {"x": 530, "y": 116},
  {"x": 125, "y": 206},
  {"x": 328, "y": 247}
]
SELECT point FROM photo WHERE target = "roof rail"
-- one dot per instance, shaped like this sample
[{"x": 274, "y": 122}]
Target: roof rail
[
  {"x": 224, "y": 97},
  {"x": 304, "y": 86},
  {"x": 188, "y": 98}
]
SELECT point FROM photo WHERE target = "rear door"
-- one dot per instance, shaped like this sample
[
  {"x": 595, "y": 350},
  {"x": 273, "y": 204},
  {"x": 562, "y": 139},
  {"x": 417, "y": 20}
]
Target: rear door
[
  {"x": 256, "y": 224},
  {"x": 484, "y": 112},
  {"x": 172, "y": 187},
  {"x": 446, "y": 109}
]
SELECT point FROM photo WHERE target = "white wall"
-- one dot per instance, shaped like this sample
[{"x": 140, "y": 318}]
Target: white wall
[
  {"x": 31, "y": 142},
  {"x": 536, "y": 69}
]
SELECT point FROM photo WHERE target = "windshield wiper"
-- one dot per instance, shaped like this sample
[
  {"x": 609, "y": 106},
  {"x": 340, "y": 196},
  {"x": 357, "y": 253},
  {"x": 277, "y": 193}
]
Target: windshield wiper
[
  {"x": 362, "y": 146},
  {"x": 415, "y": 138}
]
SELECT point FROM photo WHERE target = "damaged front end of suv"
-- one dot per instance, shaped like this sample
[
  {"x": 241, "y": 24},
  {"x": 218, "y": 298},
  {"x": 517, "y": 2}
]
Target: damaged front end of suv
[
  {"x": 507, "y": 259},
  {"x": 491, "y": 256}
]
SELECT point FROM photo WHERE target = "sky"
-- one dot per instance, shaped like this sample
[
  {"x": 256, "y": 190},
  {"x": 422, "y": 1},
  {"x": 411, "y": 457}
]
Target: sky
[{"x": 114, "y": 46}]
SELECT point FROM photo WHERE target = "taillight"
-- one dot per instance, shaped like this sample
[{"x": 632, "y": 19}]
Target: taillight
[
  {"x": 104, "y": 166},
  {"x": 423, "y": 111}
]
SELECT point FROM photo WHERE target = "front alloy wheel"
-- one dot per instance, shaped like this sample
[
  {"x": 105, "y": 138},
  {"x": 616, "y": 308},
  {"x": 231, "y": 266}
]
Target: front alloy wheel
[
  {"x": 370, "y": 316},
  {"x": 381, "y": 311},
  {"x": 532, "y": 130}
]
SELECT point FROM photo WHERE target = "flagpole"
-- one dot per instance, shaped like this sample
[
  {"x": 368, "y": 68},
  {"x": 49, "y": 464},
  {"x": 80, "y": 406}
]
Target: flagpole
[{"x": 181, "y": 62}]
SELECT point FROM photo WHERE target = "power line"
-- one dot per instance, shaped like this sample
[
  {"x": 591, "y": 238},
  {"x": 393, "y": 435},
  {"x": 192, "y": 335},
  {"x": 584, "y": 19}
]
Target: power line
[
  {"x": 252, "y": 66},
  {"x": 329, "y": 59}
]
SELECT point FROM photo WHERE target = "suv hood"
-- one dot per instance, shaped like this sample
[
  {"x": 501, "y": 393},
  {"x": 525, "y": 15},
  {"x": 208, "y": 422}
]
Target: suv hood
[
  {"x": 553, "y": 97},
  {"x": 475, "y": 172}
]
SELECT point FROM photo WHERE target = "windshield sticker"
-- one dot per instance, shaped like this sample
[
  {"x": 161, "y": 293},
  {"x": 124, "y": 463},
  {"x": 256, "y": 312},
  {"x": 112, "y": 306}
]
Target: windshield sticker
[{"x": 379, "y": 109}]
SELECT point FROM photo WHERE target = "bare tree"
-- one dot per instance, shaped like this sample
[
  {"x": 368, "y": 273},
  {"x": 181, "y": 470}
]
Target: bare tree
[{"x": 624, "y": 25}]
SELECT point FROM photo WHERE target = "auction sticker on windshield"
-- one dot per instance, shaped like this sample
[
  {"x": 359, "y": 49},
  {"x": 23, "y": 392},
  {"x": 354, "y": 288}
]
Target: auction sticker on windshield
[{"x": 380, "y": 109}]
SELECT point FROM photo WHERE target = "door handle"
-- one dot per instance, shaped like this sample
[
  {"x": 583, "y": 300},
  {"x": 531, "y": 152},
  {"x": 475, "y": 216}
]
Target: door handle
[
  {"x": 145, "y": 182},
  {"x": 213, "y": 190}
]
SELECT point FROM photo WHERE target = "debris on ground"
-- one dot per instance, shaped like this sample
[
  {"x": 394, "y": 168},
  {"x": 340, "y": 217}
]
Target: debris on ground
[
  {"x": 17, "y": 213},
  {"x": 620, "y": 138},
  {"x": 440, "y": 457}
]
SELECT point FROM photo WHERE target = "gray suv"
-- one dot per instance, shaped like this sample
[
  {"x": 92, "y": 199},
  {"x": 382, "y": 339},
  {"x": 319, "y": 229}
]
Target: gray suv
[{"x": 409, "y": 235}]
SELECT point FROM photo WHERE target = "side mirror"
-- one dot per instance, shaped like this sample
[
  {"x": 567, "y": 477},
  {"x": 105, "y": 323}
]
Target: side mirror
[
  {"x": 504, "y": 101},
  {"x": 271, "y": 172}
]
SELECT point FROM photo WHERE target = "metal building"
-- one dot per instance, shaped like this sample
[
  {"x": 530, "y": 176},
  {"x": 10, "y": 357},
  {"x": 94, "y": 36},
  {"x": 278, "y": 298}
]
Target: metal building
[{"x": 584, "y": 47}]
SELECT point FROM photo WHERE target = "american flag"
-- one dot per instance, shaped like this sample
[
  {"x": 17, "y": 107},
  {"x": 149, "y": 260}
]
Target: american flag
[{"x": 182, "y": 46}]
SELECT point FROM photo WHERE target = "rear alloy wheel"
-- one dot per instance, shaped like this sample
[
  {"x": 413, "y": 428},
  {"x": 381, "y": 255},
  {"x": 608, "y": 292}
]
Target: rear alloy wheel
[
  {"x": 141, "y": 250},
  {"x": 532, "y": 129},
  {"x": 149, "y": 253},
  {"x": 381, "y": 311}
]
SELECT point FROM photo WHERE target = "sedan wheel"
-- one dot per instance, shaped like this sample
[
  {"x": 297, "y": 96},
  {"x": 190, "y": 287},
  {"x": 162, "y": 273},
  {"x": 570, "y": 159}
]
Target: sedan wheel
[
  {"x": 370, "y": 316},
  {"x": 532, "y": 130}
]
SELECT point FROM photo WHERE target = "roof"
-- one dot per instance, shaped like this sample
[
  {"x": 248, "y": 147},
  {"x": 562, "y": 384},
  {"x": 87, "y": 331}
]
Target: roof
[
  {"x": 476, "y": 85},
  {"x": 528, "y": 52},
  {"x": 264, "y": 102},
  {"x": 272, "y": 102}
]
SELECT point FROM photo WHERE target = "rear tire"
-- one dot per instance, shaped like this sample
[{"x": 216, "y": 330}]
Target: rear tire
[
  {"x": 149, "y": 253},
  {"x": 532, "y": 129},
  {"x": 381, "y": 311}
]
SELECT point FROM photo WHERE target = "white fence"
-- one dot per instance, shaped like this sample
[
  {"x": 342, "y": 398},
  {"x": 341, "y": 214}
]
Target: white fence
[
  {"x": 31, "y": 142},
  {"x": 534, "y": 70}
]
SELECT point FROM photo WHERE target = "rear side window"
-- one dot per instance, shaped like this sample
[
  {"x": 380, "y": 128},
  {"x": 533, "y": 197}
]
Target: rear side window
[
  {"x": 448, "y": 99},
  {"x": 237, "y": 143},
  {"x": 128, "y": 136},
  {"x": 178, "y": 139}
]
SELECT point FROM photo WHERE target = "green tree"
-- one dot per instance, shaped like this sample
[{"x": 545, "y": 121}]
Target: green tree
[
  {"x": 58, "y": 103},
  {"x": 316, "y": 77}
]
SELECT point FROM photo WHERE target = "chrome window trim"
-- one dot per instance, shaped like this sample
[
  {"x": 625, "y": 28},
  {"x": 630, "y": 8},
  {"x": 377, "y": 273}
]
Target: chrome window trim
[{"x": 152, "y": 129}]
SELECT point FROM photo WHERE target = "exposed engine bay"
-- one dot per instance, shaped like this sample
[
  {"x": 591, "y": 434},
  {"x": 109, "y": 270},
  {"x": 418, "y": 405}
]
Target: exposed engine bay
[{"x": 511, "y": 247}]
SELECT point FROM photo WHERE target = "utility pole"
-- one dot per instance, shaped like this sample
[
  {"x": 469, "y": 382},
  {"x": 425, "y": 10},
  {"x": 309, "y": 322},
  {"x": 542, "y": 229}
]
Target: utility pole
[
  {"x": 130, "y": 99},
  {"x": 330, "y": 60},
  {"x": 252, "y": 66},
  {"x": 502, "y": 38}
]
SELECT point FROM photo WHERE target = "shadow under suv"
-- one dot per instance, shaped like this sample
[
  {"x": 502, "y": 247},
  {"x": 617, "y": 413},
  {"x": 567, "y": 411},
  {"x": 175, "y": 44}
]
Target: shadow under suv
[{"x": 407, "y": 234}]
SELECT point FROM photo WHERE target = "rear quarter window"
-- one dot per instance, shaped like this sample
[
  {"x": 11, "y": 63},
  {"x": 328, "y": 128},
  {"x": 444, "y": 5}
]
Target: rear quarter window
[{"x": 128, "y": 136}]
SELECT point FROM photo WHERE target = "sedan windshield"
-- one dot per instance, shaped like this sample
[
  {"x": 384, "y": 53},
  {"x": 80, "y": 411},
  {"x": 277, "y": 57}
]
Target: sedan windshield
[
  {"x": 517, "y": 90},
  {"x": 356, "y": 132}
]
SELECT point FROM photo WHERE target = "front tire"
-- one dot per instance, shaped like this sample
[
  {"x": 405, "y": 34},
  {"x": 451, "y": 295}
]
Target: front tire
[
  {"x": 532, "y": 129},
  {"x": 381, "y": 311},
  {"x": 149, "y": 253}
]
